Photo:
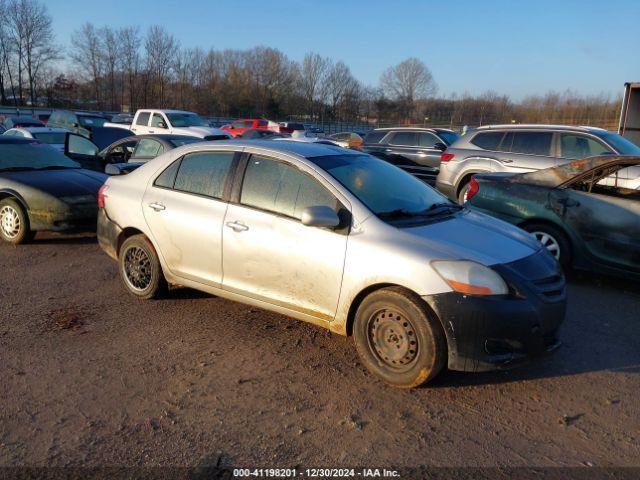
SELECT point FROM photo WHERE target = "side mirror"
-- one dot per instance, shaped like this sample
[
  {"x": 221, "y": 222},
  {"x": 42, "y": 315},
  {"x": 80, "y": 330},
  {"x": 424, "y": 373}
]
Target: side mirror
[
  {"x": 162, "y": 125},
  {"x": 440, "y": 146},
  {"x": 320, "y": 216},
  {"x": 112, "y": 169}
]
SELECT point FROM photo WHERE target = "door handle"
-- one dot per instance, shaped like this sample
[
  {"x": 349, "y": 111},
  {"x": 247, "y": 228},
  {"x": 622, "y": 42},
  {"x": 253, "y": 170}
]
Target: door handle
[
  {"x": 505, "y": 160},
  {"x": 157, "y": 206},
  {"x": 152, "y": 131},
  {"x": 237, "y": 226}
]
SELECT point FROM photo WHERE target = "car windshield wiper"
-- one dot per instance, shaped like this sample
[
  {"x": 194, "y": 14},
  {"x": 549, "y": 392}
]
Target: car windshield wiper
[{"x": 435, "y": 209}]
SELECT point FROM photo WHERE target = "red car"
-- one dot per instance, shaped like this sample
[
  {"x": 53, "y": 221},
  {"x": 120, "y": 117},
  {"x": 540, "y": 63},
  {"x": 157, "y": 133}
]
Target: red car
[{"x": 242, "y": 125}]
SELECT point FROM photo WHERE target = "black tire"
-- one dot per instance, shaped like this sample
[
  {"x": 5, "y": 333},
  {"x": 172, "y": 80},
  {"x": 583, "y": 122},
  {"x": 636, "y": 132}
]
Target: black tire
[
  {"x": 463, "y": 192},
  {"x": 556, "y": 235},
  {"x": 140, "y": 268},
  {"x": 414, "y": 349},
  {"x": 14, "y": 223}
]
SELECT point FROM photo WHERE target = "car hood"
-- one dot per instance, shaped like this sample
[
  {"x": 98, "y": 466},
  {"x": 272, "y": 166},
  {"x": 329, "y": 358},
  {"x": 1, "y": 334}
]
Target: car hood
[
  {"x": 60, "y": 183},
  {"x": 474, "y": 236},
  {"x": 199, "y": 131}
]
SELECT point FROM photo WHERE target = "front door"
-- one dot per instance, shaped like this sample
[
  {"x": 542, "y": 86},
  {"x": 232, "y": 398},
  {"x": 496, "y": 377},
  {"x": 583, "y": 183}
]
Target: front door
[
  {"x": 185, "y": 210},
  {"x": 269, "y": 254},
  {"x": 608, "y": 226}
]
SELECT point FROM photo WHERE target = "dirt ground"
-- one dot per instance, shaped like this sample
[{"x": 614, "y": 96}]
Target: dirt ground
[{"x": 90, "y": 376}]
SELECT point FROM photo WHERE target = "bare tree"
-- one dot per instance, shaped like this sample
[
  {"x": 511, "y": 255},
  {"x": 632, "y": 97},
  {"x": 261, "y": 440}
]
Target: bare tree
[
  {"x": 111, "y": 54},
  {"x": 88, "y": 56},
  {"x": 130, "y": 50},
  {"x": 311, "y": 76},
  {"x": 408, "y": 81},
  {"x": 160, "y": 47}
]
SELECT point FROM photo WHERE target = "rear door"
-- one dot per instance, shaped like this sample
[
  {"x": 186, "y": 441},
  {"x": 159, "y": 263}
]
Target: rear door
[
  {"x": 184, "y": 208},
  {"x": 526, "y": 151},
  {"x": 269, "y": 255}
]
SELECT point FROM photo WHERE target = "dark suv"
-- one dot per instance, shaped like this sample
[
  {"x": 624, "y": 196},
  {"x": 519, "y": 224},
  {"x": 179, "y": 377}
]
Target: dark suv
[
  {"x": 416, "y": 150},
  {"x": 522, "y": 148}
]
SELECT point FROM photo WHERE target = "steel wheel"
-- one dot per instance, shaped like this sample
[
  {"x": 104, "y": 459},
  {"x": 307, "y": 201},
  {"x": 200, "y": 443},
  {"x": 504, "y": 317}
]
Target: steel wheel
[
  {"x": 549, "y": 242},
  {"x": 393, "y": 339},
  {"x": 10, "y": 222},
  {"x": 138, "y": 268}
]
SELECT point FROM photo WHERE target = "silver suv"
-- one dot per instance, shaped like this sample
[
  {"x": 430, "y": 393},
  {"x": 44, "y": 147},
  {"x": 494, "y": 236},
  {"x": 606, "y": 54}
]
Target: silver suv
[
  {"x": 340, "y": 239},
  {"x": 523, "y": 148}
]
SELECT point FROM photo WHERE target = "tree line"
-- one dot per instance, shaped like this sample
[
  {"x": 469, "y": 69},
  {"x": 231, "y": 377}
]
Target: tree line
[{"x": 112, "y": 69}]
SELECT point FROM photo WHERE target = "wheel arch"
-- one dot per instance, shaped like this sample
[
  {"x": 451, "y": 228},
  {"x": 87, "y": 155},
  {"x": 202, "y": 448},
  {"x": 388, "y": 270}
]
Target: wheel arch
[
  {"x": 9, "y": 193},
  {"x": 126, "y": 233},
  {"x": 465, "y": 177}
]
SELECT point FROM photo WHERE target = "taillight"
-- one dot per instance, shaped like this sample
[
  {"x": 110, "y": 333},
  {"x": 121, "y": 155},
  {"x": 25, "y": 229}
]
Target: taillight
[
  {"x": 446, "y": 157},
  {"x": 102, "y": 196},
  {"x": 473, "y": 188}
]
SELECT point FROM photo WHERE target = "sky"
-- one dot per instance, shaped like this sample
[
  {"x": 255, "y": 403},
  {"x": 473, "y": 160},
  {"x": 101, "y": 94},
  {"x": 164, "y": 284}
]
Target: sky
[{"x": 517, "y": 48}]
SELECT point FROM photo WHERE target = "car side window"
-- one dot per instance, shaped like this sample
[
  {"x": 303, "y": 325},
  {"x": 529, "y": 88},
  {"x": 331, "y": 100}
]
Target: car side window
[
  {"x": 204, "y": 173},
  {"x": 281, "y": 188},
  {"x": 157, "y": 120},
  {"x": 581, "y": 146},
  {"x": 428, "y": 140},
  {"x": 148, "y": 147},
  {"x": 487, "y": 140},
  {"x": 168, "y": 177},
  {"x": 143, "y": 119},
  {"x": 404, "y": 139},
  {"x": 532, "y": 143},
  {"x": 81, "y": 145}
]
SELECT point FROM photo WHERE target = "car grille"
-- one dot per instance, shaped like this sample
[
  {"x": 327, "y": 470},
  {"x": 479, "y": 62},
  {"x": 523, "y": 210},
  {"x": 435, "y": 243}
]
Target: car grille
[{"x": 541, "y": 273}]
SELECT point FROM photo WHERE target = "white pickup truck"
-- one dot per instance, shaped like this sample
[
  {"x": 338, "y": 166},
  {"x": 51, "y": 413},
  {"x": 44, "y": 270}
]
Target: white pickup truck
[{"x": 176, "y": 122}]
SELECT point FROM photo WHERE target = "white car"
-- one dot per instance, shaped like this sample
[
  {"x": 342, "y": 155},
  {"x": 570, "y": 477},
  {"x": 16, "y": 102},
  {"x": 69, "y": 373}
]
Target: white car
[
  {"x": 52, "y": 136},
  {"x": 175, "y": 122}
]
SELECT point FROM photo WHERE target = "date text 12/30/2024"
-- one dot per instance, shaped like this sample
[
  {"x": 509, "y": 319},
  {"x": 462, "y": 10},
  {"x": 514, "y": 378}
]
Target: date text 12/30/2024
[{"x": 315, "y": 472}]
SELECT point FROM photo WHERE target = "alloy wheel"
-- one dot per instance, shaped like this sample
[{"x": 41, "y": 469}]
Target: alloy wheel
[
  {"x": 549, "y": 242},
  {"x": 10, "y": 222},
  {"x": 138, "y": 268}
]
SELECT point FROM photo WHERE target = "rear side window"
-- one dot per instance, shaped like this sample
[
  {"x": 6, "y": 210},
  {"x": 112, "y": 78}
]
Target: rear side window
[
  {"x": 143, "y": 119},
  {"x": 281, "y": 188},
  {"x": 168, "y": 177},
  {"x": 428, "y": 140},
  {"x": 530, "y": 143},
  {"x": 148, "y": 147},
  {"x": 404, "y": 139},
  {"x": 204, "y": 173},
  {"x": 374, "y": 137},
  {"x": 579, "y": 146},
  {"x": 487, "y": 140}
]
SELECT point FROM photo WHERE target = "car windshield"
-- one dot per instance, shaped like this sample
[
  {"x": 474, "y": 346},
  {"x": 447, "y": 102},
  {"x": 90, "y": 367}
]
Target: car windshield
[
  {"x": 621, "y": 144},
  {"x": 52, "y": 138},
  {"x": 32, "y": 156},
  {"x": 86, "y": 121},
  {"x": 178, "y": 142},
  {"x": 186, "y": 120},
  {"x": 448, "y": 137},
  {"x": 386, "y": 190}
]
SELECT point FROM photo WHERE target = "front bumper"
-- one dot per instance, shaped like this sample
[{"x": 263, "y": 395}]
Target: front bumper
[
  {"x": 80, "y": 218},
  {"x": 108, "y": 234},
  {"x": 490, "y": 333}
]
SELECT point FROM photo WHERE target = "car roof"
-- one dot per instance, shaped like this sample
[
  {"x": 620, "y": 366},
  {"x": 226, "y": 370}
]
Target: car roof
[
  {"x": 418, "y": 129},
  {"x": 302, "y": 149},
  {"x": 165, "y": 110},
  {"x": 42, "y": 129},
  {"x": 537, "y": 126}
]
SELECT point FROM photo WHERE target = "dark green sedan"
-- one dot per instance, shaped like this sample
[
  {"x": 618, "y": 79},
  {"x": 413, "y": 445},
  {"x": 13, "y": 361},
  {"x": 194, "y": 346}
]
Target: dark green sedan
[{"x": 586, "y": 213}]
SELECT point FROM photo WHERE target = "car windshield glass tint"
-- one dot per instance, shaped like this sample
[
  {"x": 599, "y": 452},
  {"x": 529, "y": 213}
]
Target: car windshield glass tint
[
  {"x": 35, "y": 155},
  {"x": 186, "y": 120},
  {"x": 381, "y": 186},
  {"x": 51, "y": 137},
  {"x": 91, "y": 121},
  {"x": 621, "y": 144}
]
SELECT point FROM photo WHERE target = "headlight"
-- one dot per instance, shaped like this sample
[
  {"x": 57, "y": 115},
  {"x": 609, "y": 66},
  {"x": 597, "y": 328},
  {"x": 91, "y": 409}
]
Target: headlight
[{"x": 470, "y": 278}]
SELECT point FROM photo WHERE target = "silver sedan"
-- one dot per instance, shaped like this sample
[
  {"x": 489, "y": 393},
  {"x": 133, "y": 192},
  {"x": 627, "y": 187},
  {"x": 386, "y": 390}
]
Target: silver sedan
[{"x": 340, "y": 239}]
